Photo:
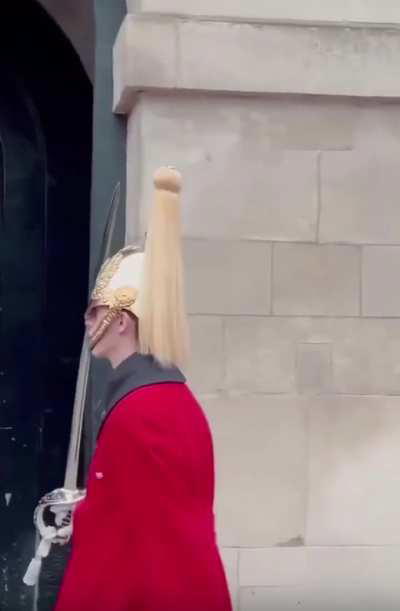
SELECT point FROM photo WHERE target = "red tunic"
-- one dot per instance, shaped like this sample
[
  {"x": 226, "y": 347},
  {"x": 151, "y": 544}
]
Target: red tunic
[{"x": 144, "y": 537}]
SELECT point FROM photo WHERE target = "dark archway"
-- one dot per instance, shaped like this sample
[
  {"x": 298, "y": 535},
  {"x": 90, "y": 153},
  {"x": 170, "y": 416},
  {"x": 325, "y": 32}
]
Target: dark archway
[
  {"x": 76, "y": 19},
  {"x": 45, "y": 164}
]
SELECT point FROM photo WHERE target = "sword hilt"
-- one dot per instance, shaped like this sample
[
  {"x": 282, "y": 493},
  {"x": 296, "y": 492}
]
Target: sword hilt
[{"x": 62, "y": 503}]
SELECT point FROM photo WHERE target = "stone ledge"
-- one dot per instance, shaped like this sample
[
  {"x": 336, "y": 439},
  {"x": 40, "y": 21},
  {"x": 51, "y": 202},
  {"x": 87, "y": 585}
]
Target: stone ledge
[
  {"x": 340, "y": 11},
  {"x": 163, "y": 53}
]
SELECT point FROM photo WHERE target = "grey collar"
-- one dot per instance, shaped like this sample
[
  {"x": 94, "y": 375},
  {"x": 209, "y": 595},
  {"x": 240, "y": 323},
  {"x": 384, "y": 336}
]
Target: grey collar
[{"x": 136, "y": 372}]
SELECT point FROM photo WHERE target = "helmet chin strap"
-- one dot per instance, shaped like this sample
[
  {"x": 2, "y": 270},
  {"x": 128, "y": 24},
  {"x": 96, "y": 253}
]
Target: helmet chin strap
[{"x": 103, "y": 326}]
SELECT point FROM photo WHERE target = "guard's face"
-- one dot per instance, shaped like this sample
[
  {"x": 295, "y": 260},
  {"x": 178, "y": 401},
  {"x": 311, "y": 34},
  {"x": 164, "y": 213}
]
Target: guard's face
[{"x": 92, "y": 315}]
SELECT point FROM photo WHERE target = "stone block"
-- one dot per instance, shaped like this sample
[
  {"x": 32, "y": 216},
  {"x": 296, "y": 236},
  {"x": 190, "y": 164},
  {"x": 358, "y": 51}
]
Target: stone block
[
  {"x": 314, "y": 368},
  {"x": 334, "y": 579},
  {"x": 261, "y": 353},
  {"x": 376, "y": 126},
  {"x": 284, "y": 122},
  {"x": 257, "y": 362},
  {"x": 380, "y": 281},
  {"x": 278, "y": 599},
  {"x": 206, "y": 367},
  {"x": 354, "y": 453},
  {"x": 359, "y": 197},
  {"x": 225, "y": 277},
  {"x": 235, "y": 185},
  {"x": 273, "y": 567},
  {"x": 353, "y": 578},
  {"x": 367, "y": 360},
  {"x": 304, "y": 123},
  {"x": 254, "y": 58},
  {"x": 312, "y": 279},
  {"x": 260, "y": 445},
  {"x": 369, "y": 569}
]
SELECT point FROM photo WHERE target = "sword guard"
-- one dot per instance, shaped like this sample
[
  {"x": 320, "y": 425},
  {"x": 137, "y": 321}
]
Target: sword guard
[{"x": 62, "y": 504}]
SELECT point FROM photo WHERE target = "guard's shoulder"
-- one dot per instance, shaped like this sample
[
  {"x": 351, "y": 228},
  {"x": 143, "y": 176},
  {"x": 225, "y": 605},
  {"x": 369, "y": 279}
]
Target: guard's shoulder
[{"x": 150, "y": 401}]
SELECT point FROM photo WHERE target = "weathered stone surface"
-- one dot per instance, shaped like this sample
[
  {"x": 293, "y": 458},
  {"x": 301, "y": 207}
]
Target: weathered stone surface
[
  {"x": 225, "y": 277},
  {"x": 260, "y": 447},
  {"x": 312, "y": 279},
  {"x": 235, "y": 185},
  {"x": 380, "y": 281},
  {"x": 206, "y": 367},
  {"x": 354, "y": 453},
  {"x": 359, "y": 197}
]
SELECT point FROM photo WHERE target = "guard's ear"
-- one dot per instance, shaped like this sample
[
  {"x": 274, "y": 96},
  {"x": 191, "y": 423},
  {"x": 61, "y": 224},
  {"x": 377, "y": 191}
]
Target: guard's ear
[{"x": 125, "y": 321}]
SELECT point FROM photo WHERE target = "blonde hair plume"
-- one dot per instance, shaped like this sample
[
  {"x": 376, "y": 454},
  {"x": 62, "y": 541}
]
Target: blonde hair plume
[{"x": 163, "y": 329}]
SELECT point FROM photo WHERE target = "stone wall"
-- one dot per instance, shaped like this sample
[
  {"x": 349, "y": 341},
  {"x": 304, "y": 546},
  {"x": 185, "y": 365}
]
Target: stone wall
[{"x": 292, "y": 239}]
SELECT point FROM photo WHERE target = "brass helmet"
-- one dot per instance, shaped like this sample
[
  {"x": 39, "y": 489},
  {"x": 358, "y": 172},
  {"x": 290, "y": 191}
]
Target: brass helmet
[{"x": 149, "y": 283}]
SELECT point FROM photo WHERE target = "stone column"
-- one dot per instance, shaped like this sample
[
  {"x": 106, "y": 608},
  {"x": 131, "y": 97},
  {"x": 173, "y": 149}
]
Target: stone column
[{"x": 284, "y": 119}]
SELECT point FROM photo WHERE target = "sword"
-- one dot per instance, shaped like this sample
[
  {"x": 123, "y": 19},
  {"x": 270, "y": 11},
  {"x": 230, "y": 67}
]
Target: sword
[
  {"x": 62, "y": 501},
  {"x": 72, "y": 466}
]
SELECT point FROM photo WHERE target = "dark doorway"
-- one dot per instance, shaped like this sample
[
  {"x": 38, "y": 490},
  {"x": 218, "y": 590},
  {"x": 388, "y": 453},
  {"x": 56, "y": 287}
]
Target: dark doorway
[{"x": 45, "y": 161}]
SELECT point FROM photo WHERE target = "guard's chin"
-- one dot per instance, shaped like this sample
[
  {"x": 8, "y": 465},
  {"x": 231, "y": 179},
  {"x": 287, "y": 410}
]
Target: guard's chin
[
  {"x": 97, "y": 352},
  {"x": 95, "y": 349}
]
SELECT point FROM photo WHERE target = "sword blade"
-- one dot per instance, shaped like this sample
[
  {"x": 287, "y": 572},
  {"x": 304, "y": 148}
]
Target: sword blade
[{"x": 72, "y": 465}]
